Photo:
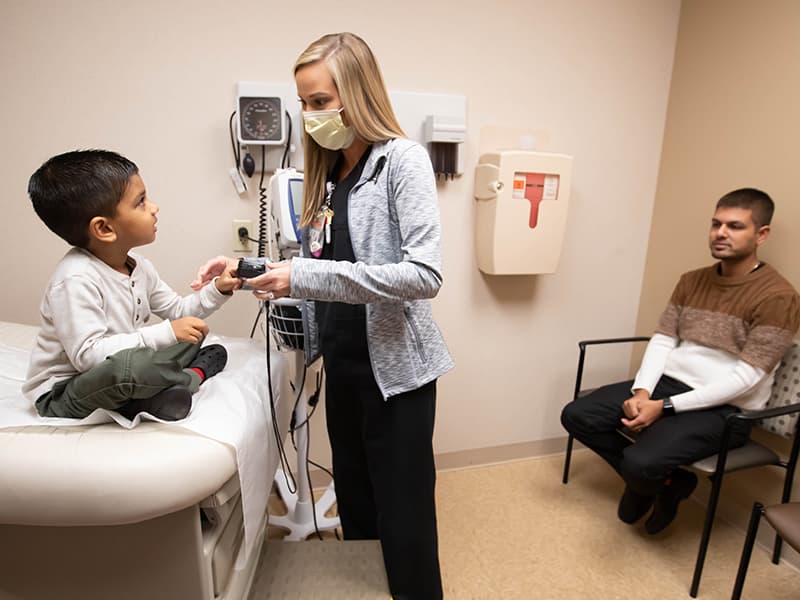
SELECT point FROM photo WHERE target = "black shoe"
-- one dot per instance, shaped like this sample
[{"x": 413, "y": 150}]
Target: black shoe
[
  {"x": 210, "y": 360},
  {"x": 679, "y": 486},
  {"x": 633, "y": 506},
  {"x": 171, "y": 404}
]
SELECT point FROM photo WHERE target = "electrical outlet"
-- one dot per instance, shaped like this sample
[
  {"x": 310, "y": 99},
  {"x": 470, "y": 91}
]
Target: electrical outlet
[{"x": 242, "y": 244}]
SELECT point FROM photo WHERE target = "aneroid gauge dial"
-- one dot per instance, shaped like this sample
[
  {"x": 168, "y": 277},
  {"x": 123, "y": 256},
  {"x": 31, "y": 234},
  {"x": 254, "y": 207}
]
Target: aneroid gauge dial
[{"x": 260, "y": 120}]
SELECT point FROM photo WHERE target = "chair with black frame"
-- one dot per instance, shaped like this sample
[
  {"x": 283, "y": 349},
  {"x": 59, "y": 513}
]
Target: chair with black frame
[
  {"x": 785, "y": 520},
  {"x": 780, "y": 416}
]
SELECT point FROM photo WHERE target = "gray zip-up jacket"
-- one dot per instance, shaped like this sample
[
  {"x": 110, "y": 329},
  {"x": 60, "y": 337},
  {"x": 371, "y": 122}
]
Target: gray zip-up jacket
[{"x": 393, "y": 215}]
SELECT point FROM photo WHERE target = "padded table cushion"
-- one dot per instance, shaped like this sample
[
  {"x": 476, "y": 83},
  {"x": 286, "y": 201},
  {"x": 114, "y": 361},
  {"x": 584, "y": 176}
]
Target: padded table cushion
[{"x": 105, "y": 474}]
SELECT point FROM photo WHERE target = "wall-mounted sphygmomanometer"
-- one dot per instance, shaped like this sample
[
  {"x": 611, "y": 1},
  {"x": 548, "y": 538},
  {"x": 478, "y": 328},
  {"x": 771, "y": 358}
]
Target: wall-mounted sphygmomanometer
[
  {"x": 260, "y": 119},
  {"x": 260, "y": 115},
  {"x": 261, "y": 135}
]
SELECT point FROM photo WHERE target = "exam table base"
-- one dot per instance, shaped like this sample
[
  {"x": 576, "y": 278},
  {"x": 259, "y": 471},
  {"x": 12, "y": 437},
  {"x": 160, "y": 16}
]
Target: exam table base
[{"x": 165, "y": 558}]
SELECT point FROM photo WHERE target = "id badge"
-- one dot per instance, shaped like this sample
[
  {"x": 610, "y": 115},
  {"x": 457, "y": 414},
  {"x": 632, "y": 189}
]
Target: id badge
[
  {"x": 319, "y": 232},
  {"x": 316, "y": 233}
]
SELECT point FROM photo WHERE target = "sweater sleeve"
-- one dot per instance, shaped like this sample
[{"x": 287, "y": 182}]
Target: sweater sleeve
[
  {"x": 664, "y": 341},
  {"x": 168, "y": 304},
  {"x": 417, "y": 275},
  {"x": 653, "y": 361},
  {"x": 742, "y": 378}
]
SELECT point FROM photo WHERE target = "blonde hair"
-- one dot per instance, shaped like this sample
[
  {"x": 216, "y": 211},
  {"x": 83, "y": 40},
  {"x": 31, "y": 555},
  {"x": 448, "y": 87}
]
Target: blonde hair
[{"x": 369, "y": 112}]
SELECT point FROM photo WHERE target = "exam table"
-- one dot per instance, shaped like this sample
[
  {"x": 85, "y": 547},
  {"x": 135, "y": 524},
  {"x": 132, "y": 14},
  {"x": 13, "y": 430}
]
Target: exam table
[{"x": 158, "y": 510}]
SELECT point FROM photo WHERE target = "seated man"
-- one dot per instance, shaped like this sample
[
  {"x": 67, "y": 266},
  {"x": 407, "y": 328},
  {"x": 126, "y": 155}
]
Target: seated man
[{"x": 714, "y": 352}]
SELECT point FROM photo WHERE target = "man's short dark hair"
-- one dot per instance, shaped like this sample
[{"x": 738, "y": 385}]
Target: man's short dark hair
[
  {"x": 757, "y": 201},
  {"x": 70, "y": 189}
]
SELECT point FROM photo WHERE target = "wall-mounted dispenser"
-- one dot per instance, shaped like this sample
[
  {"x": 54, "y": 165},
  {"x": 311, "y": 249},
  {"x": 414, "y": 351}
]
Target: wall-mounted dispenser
[
  {"x": 522, "y": 201},
  {"x": 443, "y": 136},
  {"x": 438, "y": 122}
]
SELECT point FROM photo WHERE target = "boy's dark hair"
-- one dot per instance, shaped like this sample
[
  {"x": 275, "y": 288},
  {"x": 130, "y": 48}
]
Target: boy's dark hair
[
  {"x": 70, "y": 189},
  {"x": 757, "y": 201}
]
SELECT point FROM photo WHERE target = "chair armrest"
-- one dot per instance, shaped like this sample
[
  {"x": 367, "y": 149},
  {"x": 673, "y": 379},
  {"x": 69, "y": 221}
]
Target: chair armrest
[
  {"x": 766, "y": 413},
  {"x": 755, "y": 415},
  {"x": 582, "y": 346},
  {"x": 583, "y": 343}
]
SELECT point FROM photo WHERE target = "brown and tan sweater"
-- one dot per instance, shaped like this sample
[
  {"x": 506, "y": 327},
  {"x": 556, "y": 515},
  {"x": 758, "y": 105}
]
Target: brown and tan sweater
[{"x": 723, "y": 336}]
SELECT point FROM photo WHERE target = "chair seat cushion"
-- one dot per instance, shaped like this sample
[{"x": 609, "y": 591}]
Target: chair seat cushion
[
  {"x": 785, "y": 518},
  {"x": 752, "y": 454}
]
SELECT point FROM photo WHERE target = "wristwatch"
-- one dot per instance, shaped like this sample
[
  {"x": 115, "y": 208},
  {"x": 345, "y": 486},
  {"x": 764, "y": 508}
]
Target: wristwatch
[{"x": 667, "y": 408}]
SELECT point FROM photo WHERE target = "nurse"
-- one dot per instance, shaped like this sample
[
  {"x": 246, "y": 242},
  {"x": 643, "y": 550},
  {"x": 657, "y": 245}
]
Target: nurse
[{"x": 371, "y": 262}]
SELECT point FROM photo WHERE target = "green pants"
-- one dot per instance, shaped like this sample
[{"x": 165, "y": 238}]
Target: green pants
[{"x": 130, "y": 374}]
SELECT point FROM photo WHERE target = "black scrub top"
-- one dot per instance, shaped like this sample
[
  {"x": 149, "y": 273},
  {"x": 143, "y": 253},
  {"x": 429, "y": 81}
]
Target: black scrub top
[{"x": 342, "y": 326}]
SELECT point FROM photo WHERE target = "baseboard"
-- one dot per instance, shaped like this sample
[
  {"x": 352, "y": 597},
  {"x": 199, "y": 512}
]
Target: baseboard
[
  {"x": 478, "y": 457},
  {"x": 481, "y": 457}
]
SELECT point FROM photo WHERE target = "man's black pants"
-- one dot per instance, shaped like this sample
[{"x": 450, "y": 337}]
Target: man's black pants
[{"x": 671, "y": 441}]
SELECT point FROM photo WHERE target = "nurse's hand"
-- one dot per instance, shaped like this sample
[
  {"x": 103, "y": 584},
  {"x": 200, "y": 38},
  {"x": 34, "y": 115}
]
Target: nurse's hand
[
  {"x": 275, "y": 283},
  {"x": 213, "y": 268}
]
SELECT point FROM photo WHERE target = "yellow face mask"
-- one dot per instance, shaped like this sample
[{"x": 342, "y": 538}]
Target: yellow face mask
[{"x": 327, "y": 128}]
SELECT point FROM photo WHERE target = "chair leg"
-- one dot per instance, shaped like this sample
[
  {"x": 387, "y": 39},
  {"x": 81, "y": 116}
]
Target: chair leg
[
  {"x": 747, "y": 551},
  {"x": 567, "y": 458},
  {"x": 713, "y": 499},
  {"x": 776, "y": 551}
]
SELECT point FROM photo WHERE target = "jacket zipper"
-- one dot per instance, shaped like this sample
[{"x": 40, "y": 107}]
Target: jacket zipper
[
  {"x": 415, "y": 332},
  {"x": 373, "y": 178}
]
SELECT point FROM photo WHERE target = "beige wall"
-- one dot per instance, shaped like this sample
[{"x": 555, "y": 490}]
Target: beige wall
[
  {"x": 732, "y": 122},
  {"x": 155, "y": 80}
]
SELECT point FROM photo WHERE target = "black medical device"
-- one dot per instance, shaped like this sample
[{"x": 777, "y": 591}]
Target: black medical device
[{"x": 249, "y": 267}]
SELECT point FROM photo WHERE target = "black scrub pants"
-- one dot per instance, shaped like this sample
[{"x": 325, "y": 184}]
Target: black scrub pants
[
  {"x": 670, "y": 442},
  {"x": 385, "y": 474}
]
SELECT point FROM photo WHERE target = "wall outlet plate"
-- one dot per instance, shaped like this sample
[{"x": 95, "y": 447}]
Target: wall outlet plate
[{"x": 242, "y": 244}]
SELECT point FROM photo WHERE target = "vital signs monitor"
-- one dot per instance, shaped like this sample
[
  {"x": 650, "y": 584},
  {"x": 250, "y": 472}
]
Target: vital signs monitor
[{"x": 287, "y": 206}]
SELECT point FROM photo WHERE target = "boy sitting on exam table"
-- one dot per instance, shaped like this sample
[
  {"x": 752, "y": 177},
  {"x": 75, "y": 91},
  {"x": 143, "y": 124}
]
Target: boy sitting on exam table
[{"x": 95, "y": 348}]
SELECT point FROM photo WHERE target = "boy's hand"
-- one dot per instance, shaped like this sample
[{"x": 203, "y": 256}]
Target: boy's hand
[
  {"x": 214, "y": 267},
  {"x": 189, "y": 329},
  {"x": 227, "y": 281}
]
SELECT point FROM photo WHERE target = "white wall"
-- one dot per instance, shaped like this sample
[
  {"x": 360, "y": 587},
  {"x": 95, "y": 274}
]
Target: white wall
[{"x": 155, "y": 81}]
